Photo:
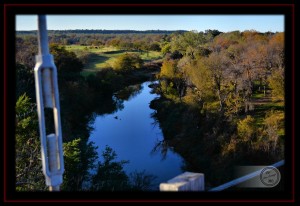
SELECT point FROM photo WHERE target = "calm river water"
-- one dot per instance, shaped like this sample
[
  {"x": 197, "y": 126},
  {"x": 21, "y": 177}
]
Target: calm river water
[{"x": 131, "y": 132}]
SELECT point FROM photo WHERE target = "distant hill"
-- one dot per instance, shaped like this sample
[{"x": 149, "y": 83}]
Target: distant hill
[{"x": 87, "y": 31}]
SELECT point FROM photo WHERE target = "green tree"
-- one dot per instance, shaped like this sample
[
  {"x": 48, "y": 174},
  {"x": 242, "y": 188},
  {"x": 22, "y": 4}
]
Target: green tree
[
  {"x": 165, "y": 48},
  {"x": 24, "y": 81},
  {"x": 155, "y": 47},
  {"x": 80, "y": 157},
  {"x": 29, "y": 176},
  {"x": 110, "y": 175},
  {"x": 72, "y": 161},
  {"x": 127, "y": 62},
  {"x": 189, "y": 44},
  {"x": 67, "y": 63},
  {"x": 211, "y": 34}
]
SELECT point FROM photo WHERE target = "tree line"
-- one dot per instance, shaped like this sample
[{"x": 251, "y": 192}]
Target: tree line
[
  {"x": 81, "y": 99},
  {"x": 102, "y": 31},
  {"x": 222, "y": 100},
  {"x": 208, "y": 83}
]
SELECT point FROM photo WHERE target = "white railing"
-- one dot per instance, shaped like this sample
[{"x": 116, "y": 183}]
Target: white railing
[{"x": 189, "y": 181}]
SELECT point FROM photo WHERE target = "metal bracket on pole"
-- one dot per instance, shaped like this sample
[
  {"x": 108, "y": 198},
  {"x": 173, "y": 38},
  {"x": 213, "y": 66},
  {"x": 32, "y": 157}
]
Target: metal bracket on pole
[{"x": 47, "y": 96}]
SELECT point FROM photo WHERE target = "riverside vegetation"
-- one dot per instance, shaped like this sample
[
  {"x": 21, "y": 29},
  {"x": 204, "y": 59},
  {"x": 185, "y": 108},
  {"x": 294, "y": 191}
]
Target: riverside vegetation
[{"x": 221, "y": 102}]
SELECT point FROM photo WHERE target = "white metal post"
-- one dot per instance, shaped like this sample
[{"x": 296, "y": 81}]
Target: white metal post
[{"x": 47, "y": 96}]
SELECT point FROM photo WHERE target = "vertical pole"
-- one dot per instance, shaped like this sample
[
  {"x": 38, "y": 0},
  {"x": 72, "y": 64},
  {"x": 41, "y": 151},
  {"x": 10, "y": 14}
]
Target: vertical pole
[
  {"x": 47, "y": 97},
  {"x": 42, "y": 35},
  {"x": 44, "y": 51}
]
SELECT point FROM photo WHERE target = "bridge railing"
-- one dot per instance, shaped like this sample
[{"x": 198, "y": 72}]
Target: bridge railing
[{"x": 189, "y": 181}]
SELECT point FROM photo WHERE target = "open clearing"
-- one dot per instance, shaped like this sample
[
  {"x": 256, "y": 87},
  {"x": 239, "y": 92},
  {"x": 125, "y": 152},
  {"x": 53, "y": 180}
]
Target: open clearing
[{"x": 103, "y": 57}]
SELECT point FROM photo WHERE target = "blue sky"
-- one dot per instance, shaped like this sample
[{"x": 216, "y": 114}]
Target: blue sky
[{"x": 224, "y": 23}]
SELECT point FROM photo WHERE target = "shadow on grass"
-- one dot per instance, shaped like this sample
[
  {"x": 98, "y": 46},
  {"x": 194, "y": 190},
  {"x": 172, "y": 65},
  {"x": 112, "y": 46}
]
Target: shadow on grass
[
  {"x": 115, "y": 52},
  {"x": 94, "y": 59},
  {"x": 260, "y": 111}
]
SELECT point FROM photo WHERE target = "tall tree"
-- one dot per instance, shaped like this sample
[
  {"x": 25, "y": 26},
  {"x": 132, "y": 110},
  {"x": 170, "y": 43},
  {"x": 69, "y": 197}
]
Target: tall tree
[
  {"x": 190, "y": 43},
  {"x": 24, "y": 81},
  {"x": 67, "y": 63},
  {"x": 80, "y": 158},
  {"x": 276, "y": 82},
  {"x": 218, "y": 64},
  {"x": 110, "y": 175},
  {"x": 29, "y": 176}
]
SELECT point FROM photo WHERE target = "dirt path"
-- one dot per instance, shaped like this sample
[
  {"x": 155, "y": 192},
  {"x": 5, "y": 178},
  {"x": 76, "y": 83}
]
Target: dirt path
[{"x": 261, "y": 101}]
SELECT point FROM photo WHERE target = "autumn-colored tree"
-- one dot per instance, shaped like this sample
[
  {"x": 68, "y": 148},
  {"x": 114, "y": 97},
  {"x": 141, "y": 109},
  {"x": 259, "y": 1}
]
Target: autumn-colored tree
[
  {"x": 246, "y": 128},
  {"x": 225, "y": 40},
  {"x": 275, "y": 50},
  {"x": 276, "y": 82},
  {"x": 115, "y": 42},
  {"x": 274, "y": 126},
  {"x": 171, "y": 72},
  {"x": 218, "y": 64},
  {"x": 234, "y": 101},
  {"x": 26, "y": 49},
  {"x": 127, "y": 61},
  {"x": 169, "y": 69},
  {"x": 201, "y": 77}
]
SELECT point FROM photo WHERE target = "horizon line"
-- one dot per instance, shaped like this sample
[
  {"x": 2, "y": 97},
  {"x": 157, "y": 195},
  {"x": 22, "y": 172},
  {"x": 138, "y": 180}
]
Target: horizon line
[{"x": 145, "y": 30}]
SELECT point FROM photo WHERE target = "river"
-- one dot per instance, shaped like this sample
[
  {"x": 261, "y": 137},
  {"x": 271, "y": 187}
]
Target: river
[{"x": 132, "y": 134}]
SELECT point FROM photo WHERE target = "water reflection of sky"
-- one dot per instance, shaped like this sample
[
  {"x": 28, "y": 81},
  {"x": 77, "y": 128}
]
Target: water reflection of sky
[{"x": 132, "y": 134}]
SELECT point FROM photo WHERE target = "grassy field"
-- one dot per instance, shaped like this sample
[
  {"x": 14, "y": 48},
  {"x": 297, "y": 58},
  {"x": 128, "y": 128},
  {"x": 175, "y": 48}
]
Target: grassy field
[
  {"x": 262, "y": 104},
  {"x": 103, "y": 57}
]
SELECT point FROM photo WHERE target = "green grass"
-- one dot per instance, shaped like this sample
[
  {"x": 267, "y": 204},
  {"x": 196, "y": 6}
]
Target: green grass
[
  {"x": 105, "y": 57},
  {"x": 86, "y": 73},
  {"x": 257, "y": 95},
  {"x": 259, "y": 116},
  {"x": 260, "y": 110},
  {"x": 97, "y": 61},
  {"x": 90, "y": 49},
  {"x": 152, "y": 55}
]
